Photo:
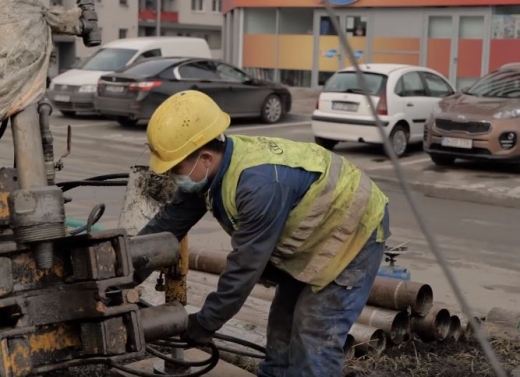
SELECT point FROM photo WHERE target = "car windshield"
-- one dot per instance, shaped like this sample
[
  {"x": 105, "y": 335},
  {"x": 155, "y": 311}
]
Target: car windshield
[
  {"x": 347, "y": 82},
  {"x": 109, "y": 59},
  {"x": 500, "y": 84},
  {"x": 149, "y": 67}
]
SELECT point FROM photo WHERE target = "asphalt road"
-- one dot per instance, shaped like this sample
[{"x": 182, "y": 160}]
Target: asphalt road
[{"x": 480, "y": 241}]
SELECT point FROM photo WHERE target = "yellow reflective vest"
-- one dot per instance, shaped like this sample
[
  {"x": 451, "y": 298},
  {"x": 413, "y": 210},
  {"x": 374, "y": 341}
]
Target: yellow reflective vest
[{"x": 332, "y": 222}]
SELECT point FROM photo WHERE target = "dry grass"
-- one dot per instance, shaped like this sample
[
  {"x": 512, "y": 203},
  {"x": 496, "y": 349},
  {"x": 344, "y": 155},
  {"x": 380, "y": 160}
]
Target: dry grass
[{"x": 418, "y": 359}]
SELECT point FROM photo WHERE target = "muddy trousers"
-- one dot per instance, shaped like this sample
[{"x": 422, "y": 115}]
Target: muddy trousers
[{"x": 307, "y": 331}]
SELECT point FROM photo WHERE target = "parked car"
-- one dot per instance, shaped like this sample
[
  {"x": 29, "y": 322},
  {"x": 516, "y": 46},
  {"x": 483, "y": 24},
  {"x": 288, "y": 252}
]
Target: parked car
[
  {"x": 404, "y": 95},
  {"x": 479, "y": 123},
  {"x": 134, "y": 93},
  {"x": 73, "y": 91}
]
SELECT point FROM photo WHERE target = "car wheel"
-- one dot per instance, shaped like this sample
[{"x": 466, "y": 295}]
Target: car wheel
[
  {"x": 127, "y": 122},
  {"x": 442, "y": 160},
  {"x": 325, "y": 143},
  {"x": 399, "y": 140},
  {"x": 272, "y": 109},
  {"x": 68, "y": 114}
]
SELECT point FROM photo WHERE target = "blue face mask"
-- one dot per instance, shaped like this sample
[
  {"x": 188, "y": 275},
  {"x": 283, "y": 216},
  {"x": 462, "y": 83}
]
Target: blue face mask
[{"x": 186, "y": 184}]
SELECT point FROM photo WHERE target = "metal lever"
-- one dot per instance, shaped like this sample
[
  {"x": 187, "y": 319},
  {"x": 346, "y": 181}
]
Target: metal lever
[{"x": 59, "y": 165}]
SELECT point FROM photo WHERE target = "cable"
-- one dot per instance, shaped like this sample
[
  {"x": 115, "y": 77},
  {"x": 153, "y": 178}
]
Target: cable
[
  {"x": 242, "y": 342},
  {"x": 486, "y": 346},
  {"x": 95, "y": 215},
  {"x": 98, "y": 181},
  {"x": 212, "y": 363}
]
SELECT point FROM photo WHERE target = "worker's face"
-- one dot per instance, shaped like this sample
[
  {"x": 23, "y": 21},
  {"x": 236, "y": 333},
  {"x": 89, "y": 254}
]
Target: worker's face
[{"x": 197, "y": 168}]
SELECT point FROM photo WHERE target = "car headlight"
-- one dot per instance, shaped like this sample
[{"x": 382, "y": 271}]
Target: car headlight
[
  {"x": 436, "y": 109},
  {"x": 88, "y": 89},
  {"x": 507, "y": 114}
]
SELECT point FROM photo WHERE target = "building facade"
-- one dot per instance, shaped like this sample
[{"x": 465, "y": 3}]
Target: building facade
[
  {"x": 294, "y": 41},
  {"x": 188, "y": 18}
]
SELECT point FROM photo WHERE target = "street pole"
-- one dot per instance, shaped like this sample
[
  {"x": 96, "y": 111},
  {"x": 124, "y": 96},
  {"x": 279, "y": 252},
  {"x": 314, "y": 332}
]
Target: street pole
[{"x": 158, "y": 26}]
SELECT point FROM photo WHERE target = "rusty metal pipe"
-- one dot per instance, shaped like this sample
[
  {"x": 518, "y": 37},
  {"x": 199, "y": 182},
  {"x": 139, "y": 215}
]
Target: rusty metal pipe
[
  {"x": 163, "y": 321},
  {"x": 504, "y": 317},
  {"x": 400, "y": 295},
  {"x": 434, "y": 326},
  {"x": 154, "y": 251},
  {"x": 349, "y": 348},
  {"x": 210, "y": 261},
  {"x": 367, "y": 339},
  {"x": 455, "y": 331},
  {"x": 395, "y": 324}
]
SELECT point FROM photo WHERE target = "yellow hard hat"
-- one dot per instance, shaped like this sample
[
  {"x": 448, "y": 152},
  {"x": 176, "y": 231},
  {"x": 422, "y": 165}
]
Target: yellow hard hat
[{"x": 182, "y": 124}]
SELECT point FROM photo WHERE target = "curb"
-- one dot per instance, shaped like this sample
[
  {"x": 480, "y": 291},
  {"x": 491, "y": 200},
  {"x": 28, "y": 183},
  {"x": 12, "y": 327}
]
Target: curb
[{"x": 455, "y": 193}]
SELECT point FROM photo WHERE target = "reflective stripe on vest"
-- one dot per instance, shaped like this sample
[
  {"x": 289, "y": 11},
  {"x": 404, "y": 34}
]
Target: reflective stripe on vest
[{"x": 341, "y": 234}]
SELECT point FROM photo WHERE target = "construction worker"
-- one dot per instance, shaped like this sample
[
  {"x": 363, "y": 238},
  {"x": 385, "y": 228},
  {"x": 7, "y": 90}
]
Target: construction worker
[{"x": 298, "y": 215}]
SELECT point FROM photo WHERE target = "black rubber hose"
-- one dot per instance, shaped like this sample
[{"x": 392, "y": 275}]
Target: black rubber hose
[
  {"x": 213, "y": 361},
  {"x": 242, "y": 342},
  {"x": 66, "y": 186},
  {"x": 95, "y": 215}
]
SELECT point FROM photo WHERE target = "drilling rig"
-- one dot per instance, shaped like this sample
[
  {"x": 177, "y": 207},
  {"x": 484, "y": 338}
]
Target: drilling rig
[{"x": 67, "y": 298}]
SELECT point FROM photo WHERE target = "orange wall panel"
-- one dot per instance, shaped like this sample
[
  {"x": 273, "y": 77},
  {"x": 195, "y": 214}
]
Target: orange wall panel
[
  {"x": 295, "y": 52},
  {"x": 396, "y": 44},
  {"x": 259, "y": 50},
  {"x": 469, "y": 58},
  {"x": 503, "y": 51},
  {"x": 395, "y": 58},
  {"x": 438, "y": 55}
]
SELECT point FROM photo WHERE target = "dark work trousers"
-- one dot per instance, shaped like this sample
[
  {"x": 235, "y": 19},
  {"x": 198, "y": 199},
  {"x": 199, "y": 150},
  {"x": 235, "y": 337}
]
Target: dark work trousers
[{"x": 307, "y": 331}]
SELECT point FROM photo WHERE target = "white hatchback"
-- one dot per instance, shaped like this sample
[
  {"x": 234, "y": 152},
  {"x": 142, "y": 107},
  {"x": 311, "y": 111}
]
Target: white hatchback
[{"x": 404, "y": 96}]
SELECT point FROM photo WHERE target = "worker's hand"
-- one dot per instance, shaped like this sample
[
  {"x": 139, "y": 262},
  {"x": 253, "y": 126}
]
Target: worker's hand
[{"x": 196, "y": 334}]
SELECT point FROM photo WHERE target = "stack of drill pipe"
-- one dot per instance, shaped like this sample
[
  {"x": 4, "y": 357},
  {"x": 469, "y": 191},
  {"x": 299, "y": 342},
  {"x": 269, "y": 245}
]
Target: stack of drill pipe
[
  {"x": 435, "y": 325},
  {"x": 387, "y": 308}
]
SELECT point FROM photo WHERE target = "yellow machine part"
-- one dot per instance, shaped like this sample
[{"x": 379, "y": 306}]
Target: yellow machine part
[{"x": 176, "y": 289}]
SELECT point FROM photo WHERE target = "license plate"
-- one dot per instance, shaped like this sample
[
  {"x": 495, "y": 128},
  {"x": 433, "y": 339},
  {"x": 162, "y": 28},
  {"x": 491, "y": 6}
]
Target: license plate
[
  {"x": 115, "y": 88},
  {"x": 345, "y": 106},
  {"x": 61, "y": 98},
  {"x": 457, "y": 143}
]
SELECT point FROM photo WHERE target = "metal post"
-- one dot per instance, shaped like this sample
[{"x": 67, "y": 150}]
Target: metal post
[
  {"x": 28, "y": 148},
  {"x": 176, "y": 291},
  {"x": 158, "y": 25}
]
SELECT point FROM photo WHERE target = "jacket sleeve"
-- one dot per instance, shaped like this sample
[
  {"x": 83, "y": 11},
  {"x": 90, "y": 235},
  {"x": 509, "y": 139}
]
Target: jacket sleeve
[
  {"x": 262, "y": 212},
  {"x": 178, "y": 217}
]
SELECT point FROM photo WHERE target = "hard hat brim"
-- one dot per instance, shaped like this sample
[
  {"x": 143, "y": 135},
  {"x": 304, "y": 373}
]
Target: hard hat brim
[{"x": 159, "y": 166}]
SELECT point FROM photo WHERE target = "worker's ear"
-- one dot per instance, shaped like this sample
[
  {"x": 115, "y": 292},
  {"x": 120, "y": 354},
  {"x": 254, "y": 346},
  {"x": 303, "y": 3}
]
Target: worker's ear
[{"x": 207, "y": 158}]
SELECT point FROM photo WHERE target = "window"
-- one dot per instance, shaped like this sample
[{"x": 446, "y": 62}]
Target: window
[
  {"x": 356, "y": 26},
  {"x": 216, "y": 6},
  {"x": 410, "y": 85},
  {"x": 198, "y": 70},
  {"x": 499, "y": 84},
  {"x": 436, "y": 85},
  {"x": 197, "y": 5},
  {"x": 228, "y": 73},
  {"x": 347, "y": 82},
  {"x": 149, "y": 54},
  {"x": 123, "y": 2},
  {"x": 150, "y": 67},
  {"x": 123, "y": 33},
  {"x": 109, "y": 59}
]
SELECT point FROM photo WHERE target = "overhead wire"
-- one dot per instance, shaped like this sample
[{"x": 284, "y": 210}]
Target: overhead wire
[{"x": 421, "y": 221}]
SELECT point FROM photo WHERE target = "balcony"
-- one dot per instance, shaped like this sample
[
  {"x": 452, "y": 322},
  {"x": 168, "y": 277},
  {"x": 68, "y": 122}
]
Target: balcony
[{"x": 150, "y": 15}]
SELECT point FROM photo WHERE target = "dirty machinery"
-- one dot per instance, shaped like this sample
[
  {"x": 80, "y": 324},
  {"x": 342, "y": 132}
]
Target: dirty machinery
[{"x": 68, "y": 298}]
